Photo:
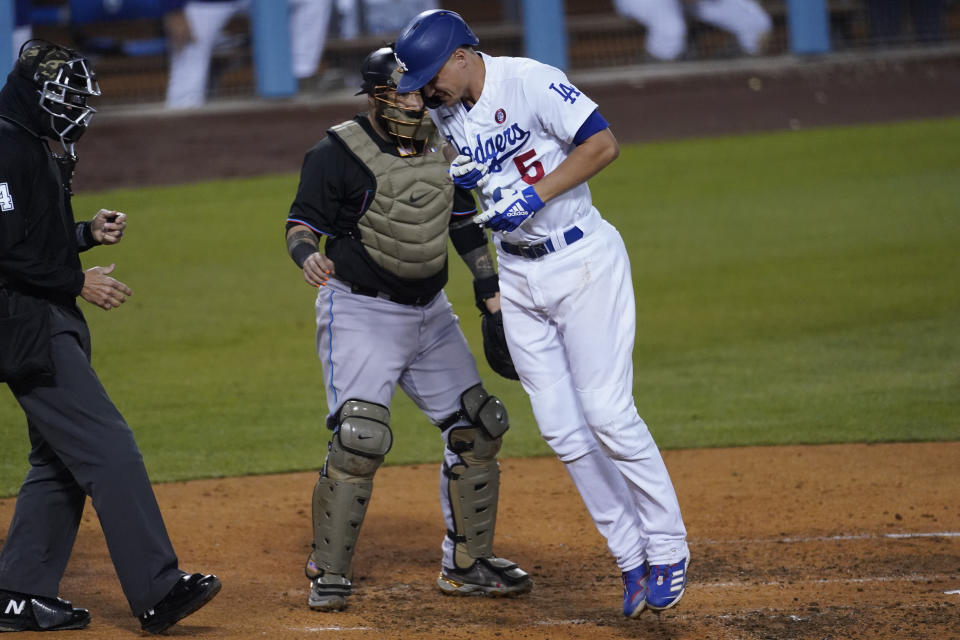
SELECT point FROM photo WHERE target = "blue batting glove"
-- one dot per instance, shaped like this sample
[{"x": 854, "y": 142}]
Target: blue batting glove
[
  {"x": 510, "y": 209},
  {"x": 467, "y": 173}
]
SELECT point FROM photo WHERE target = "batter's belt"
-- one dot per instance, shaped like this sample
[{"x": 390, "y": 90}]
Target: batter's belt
[
  {"x": 540, "y": 249},
  {"x": 557, "y": 241}
]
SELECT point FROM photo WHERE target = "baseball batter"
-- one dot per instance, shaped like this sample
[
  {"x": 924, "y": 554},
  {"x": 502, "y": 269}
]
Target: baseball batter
[
  {"x": 566, "y": 291},
  {"x": 377, "y": 189}
]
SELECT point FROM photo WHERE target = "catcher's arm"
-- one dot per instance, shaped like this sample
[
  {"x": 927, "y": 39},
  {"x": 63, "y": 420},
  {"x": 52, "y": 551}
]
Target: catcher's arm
[
  {"x": 470, "y": 241},
  {"x": 304, "y": 249}
]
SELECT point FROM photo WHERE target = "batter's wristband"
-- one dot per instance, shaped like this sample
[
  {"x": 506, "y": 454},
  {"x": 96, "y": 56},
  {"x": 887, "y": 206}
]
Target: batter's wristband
[
  {"x": 533, "y": 200},
  {"x": 303, "y": 251}
]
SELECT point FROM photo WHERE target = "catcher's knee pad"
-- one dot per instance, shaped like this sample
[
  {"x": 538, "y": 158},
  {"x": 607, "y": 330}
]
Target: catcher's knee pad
[
  {"x": 483, "y": 411},
  {"x": 474, "y": 481},
  {"x": 361, "y": 439}
]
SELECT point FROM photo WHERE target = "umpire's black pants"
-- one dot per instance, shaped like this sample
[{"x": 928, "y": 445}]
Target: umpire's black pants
[{"x": 82, "y": 446}]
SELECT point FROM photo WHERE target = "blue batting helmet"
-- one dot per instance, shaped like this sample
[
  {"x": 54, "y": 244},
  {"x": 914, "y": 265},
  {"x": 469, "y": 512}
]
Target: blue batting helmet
[{"x": 426, "y": 43}]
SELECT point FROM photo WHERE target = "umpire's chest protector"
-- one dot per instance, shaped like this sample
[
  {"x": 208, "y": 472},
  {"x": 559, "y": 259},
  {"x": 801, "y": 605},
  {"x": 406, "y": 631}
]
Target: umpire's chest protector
[{"x": 406, "y": 226}]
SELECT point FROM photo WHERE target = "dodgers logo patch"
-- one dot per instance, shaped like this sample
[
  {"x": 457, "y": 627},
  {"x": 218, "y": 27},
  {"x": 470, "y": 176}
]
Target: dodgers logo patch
[{"x": 500, "y": 116}]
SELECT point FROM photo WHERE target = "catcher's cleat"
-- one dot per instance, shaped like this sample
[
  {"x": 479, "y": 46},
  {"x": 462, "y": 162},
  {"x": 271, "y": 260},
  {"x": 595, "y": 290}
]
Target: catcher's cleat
[
  {"x": 24, "y": 612},
  {"x": 667, "y": 584},
  {"x": 329, "y": 592},
  {"x": 487, "y": 576},
  {"x": 635, "y": 590},
  {"x": 190, "y": 593}
]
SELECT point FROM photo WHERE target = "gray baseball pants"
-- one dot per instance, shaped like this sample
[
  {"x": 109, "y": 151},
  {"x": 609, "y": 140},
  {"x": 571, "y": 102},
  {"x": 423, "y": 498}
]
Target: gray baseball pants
[{"x": 81, "y": 446}]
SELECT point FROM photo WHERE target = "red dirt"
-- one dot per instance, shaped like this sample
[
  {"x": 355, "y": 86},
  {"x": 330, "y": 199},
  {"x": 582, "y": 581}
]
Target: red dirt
[{"x": 786, "y": 542}]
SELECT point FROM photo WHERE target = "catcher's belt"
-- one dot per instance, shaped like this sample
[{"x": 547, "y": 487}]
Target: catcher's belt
[{"x": 414, "y": 301}]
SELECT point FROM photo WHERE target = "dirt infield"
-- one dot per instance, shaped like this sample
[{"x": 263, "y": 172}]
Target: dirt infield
[{"x": 854, "y": 541}]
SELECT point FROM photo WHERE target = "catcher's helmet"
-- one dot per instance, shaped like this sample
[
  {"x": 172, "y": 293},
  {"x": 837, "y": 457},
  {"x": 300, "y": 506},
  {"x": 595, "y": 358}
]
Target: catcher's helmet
[
  {"x": 64, "y": 80},
  {"x": 426, "y": 43},
  {"x": 377, "y": 70},
  {"x": 402, "y": 123}
]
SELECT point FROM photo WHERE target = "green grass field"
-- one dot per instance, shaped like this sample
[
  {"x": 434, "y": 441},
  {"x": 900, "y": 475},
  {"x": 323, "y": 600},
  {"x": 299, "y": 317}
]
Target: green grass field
[{"x": 800, "y": 287}]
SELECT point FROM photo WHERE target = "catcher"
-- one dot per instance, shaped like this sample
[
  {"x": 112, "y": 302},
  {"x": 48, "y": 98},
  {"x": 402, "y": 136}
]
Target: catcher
[{"x": 378, "y": 190}]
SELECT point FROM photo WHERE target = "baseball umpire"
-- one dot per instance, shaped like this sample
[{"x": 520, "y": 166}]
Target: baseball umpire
[
  {"x": 377, "y": 189},
  {"x": 81, "y": 445},
  {"x": 568, "y": 303}
]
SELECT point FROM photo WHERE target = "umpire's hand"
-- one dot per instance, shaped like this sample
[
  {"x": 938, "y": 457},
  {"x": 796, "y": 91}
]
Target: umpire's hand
[
  {"x": 102, "y": 290},
  {"x": 107, "y": 226}
]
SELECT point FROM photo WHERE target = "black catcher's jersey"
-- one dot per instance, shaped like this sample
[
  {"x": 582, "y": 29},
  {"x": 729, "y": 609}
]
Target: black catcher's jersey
[{"x": 336, "y": 190}]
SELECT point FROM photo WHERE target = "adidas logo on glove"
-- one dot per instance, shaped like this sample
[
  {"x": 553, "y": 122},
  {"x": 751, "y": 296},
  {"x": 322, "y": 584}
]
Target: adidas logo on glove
[{"x": 510, "y": 209}]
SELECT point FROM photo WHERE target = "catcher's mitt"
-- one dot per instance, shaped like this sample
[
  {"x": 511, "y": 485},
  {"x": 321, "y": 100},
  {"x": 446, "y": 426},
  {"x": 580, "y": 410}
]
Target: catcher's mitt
[{"x": 495, "y": 345}]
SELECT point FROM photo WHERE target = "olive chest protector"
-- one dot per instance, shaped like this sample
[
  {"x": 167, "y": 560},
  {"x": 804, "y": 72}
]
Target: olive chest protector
[{"x": 405, "y": 229}]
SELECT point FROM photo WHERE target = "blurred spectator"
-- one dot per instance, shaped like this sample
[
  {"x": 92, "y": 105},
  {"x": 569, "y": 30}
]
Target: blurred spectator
[
  {"x": 84, "y": 15},
  {"x": 887, "y": 19},
  {"x": 373, "y": 17},
  {"x": 667, "y": 28},
  {"x": 83, "y": 12},
  {"x": 176, "y": 28},
  {"x": 204, "y": 24},
  {"x": 22, "y": 30}
]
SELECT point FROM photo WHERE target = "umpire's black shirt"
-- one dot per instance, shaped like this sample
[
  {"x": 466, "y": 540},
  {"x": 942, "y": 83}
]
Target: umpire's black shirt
[
  {"x": 334, "y": 193},
  {"x": 39, "y": 239}
]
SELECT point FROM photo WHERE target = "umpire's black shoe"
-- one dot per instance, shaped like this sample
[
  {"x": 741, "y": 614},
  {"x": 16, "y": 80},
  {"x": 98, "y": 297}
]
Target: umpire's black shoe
[
  {"x": 24, "y": 612},
  {"x": 189, "y": 594}
]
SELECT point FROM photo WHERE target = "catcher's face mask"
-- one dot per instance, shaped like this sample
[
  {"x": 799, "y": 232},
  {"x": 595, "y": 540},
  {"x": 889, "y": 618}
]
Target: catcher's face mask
[
  {"x": 401, "y": 115},
  {"x": 65, "y": 81}
]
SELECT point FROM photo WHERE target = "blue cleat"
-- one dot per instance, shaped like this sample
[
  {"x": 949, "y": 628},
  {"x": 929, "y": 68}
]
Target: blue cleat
[
  {"x": 635, "y": 590},
  {"x": 666, "y": 586}
]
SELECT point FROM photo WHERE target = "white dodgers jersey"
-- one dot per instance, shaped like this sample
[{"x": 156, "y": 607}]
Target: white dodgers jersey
[{"x": 521, "y": 128}]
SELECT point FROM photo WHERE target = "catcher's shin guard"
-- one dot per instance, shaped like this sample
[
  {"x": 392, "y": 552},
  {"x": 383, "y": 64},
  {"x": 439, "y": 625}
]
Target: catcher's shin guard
[
  {"x": 474, "y": 481},
  {"x": 343, "y": 490}
]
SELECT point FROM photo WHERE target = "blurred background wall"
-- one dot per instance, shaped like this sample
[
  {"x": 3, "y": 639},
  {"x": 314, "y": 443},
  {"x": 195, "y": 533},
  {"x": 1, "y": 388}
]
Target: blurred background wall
[{"x": 131, "y": 43}]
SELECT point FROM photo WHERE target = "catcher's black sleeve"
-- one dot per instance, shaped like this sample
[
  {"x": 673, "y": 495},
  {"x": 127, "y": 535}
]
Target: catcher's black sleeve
[
  {"x": 465, "y": 235},
  {"x": 332, "y": 183}
]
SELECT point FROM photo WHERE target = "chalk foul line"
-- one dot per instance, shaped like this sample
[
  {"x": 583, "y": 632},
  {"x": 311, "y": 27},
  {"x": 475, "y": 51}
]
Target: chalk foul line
[{"x": 841, "y": 537}]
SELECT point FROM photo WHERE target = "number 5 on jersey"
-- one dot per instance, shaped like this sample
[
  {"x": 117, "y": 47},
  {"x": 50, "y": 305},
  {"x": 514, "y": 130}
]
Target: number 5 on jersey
[{"x": 524, "y": 168}]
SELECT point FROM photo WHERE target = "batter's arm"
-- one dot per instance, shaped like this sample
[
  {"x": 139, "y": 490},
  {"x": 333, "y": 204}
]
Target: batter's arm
[
  {"x": 303, "y": 247},
  {"x": 449, "y": 153},
  {"x": 585, "y": 161}
]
